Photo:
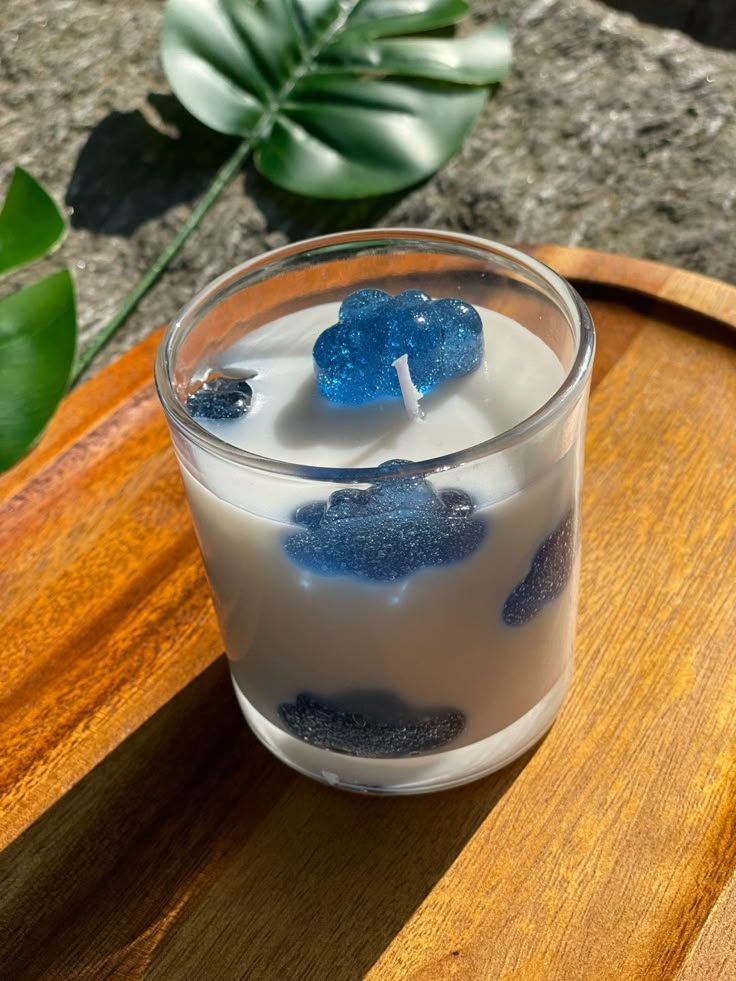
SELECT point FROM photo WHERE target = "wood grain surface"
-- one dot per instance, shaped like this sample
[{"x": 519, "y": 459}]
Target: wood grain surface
[{"x": 149, "y": 835}]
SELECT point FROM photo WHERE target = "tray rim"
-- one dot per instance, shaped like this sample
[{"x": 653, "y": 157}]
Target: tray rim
[{"x": 79, "y": 413}]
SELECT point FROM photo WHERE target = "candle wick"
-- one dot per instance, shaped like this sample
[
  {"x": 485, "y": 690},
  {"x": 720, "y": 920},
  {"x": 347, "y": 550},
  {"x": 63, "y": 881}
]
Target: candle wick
[{"x": 409, "y": 392}]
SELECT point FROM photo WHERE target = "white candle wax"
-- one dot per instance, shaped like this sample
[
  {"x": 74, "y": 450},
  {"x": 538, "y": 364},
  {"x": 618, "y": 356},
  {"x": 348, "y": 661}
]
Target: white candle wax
[{"x": 290, "y": 420}]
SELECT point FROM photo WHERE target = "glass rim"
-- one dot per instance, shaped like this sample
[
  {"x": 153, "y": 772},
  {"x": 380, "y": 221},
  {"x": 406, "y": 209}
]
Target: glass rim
[{"x": 561, "y": 402}]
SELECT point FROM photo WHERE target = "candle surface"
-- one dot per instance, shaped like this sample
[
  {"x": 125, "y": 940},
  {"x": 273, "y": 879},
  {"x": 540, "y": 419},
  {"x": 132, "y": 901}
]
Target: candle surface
[{"x": 290, "y": 420}]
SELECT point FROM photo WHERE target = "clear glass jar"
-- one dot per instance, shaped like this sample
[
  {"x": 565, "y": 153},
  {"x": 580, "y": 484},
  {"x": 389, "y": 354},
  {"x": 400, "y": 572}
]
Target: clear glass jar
[{"x": 439, "y": 669}]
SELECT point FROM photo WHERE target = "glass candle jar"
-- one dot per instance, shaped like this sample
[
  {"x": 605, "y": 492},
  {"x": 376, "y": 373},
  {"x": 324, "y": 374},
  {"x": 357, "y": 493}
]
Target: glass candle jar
[{"x": 396, "y": 591}]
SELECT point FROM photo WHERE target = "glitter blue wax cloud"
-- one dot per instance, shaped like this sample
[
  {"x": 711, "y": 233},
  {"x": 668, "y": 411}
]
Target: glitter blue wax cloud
[
  {"x": 547, "y": 578},
  {"x": 220, "y": 398},
  {"x": 370, "y": 723},
  {"x": 387, "y": 532},
  {"x": 353, "y": 359}
]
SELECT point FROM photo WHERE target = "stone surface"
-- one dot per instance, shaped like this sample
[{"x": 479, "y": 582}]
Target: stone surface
[{"x": 612, "y": 132}]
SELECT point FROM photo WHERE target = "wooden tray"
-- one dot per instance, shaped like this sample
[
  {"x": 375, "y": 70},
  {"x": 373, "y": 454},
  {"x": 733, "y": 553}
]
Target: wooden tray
[{"x": 149, "y": 835}]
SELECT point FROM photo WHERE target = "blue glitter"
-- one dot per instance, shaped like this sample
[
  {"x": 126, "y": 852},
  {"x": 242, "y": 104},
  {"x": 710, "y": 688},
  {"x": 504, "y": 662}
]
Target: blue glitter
[
  {"x": 549, "y": 574},
  {"x": 387, "y": 532},
  {"x": 220, "y": 398},
  {"x": 353, "y": 359},
  {"x": 370, "y": 723}
]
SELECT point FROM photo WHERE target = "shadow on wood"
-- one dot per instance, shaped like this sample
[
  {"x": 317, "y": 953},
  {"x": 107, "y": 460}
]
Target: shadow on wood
[{"x": 170, "y": 830}]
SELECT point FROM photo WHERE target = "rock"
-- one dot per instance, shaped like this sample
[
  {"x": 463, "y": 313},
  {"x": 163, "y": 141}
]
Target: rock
[{"x": 611, "y": 133}]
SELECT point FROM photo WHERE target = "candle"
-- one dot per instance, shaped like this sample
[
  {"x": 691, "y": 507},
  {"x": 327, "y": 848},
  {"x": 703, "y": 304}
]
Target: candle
[{"x": 408, "y": 631}]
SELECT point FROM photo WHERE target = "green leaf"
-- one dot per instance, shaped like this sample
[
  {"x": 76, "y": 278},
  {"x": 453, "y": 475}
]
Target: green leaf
[
  {"x": 354, "y": 136},
  {"x": 333, "y": 101},
  {"x": 478, "y": 59},
  {"x": 383, "y": 18},
  {"x": 37, "y": 338},
  {"x": 30, "y": 222}
]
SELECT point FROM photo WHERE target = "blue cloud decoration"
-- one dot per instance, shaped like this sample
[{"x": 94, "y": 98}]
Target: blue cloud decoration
[
  {"x": 387, "y": 532},
  {"x": 370, "y": 723},
  {"x": 547, "y": 577},
  {"x": 353, "y": 359}
]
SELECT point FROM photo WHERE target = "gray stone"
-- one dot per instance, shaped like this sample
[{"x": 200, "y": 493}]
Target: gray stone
[{"x": 611, "y": 133}]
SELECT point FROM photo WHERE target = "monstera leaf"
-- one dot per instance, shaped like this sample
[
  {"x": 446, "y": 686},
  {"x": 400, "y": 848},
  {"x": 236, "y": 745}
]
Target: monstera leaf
[
  {"x": 337, "y": 98},
  {"x": 38, "y": 326}
]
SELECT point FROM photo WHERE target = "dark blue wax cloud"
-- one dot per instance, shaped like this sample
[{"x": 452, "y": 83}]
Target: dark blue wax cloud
[
  {"x": 387, "y": 532},
  {"x": 220, "y": 398},
  {"x": 549, "y": 574},
  {"x": 353, "y": 360},
  {"x": 370, "y": 723}
]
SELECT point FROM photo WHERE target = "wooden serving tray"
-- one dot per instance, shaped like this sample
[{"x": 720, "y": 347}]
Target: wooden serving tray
[{"x": 148, "y": 835}]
